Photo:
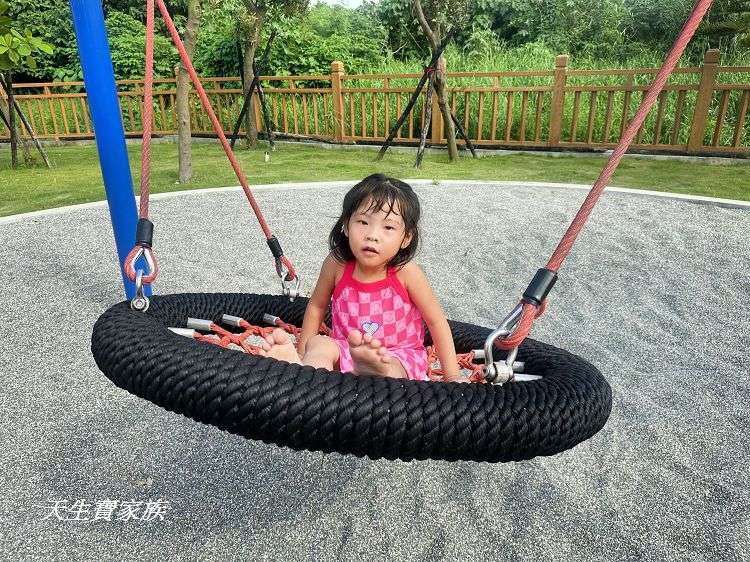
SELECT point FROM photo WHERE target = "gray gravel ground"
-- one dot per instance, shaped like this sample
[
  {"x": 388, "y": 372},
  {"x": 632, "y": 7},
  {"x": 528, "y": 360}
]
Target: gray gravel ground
[{"x": 655, "y": 294}]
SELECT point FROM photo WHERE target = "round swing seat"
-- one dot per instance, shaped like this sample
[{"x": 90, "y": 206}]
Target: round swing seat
[{"x": 305, "y": 408}]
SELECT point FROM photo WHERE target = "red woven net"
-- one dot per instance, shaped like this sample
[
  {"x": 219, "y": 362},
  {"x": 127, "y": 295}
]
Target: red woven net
[{"x": 243, "y": 341}]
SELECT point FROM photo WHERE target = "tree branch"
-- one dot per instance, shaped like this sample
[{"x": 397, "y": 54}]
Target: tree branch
[{"x": 425, "y": 26}]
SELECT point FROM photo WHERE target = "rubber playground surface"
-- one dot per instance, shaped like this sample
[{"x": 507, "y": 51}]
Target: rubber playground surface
[{"x": 654, "y": 294}]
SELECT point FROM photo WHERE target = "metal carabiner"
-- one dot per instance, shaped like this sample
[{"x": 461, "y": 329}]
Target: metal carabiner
[
  {"x": 289, "y": 288},
  {"x": 140, "y": 301},
  {"x": 502, "y": 371}
]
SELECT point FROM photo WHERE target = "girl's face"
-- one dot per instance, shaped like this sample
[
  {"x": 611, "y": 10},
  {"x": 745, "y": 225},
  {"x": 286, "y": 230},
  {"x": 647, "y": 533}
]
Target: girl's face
[{"x": 376, "y": 236}]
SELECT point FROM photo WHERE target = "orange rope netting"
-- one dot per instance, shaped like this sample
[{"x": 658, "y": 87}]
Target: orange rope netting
[{"x": 239, "y": 341}]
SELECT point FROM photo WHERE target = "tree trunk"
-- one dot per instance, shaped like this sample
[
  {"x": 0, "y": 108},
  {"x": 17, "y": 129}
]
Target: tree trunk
[
  {"x": 11, "y": 120},
  {"x": 445, "y": 110},
  {"x": 251, "y": 126},
  {"x": 435, "y": 37},
  {"x": 182, "y": 101}
]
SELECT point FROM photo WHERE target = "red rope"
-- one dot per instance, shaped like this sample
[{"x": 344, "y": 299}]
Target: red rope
[
  {"x": 225, "y": 338},
  {"x": 148, "y": 119},
  {"x": 148, "y": 112},
  {"x": 219, "y": 130},
  {"x": 684, "y": 37},
  {"x": 145, "y": 190},
  {"x": 530, "y": 313},
  {"x": 569, "y": 238}
]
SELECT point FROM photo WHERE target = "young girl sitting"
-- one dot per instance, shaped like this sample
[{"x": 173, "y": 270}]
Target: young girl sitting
[{"x": 378, "y": 296}]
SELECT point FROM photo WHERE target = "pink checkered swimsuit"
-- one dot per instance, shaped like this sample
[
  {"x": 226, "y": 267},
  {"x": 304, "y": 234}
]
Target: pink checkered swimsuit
[{"x": 384, "y": 310}]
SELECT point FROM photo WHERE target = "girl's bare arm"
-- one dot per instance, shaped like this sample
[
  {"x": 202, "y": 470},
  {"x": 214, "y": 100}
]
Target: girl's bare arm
[
  {"x": 424, "y": 299},
  {"x": 319, "y": 300}
]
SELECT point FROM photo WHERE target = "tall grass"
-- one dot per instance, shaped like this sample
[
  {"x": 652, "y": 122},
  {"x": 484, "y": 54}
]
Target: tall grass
[
  {"x": 589, "y": 117},
  {"x": 534, "y": 57}
]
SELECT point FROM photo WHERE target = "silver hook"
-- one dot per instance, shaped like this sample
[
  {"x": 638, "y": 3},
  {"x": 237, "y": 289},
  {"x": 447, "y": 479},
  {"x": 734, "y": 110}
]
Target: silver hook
[
  {"x": 289, "y": 288},
  {"x": 502, "y": 371},
  {"x": 140, "y": 301}
]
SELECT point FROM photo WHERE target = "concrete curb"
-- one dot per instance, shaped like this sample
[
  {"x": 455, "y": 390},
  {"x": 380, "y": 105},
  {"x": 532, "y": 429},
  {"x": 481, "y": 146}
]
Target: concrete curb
[{"x": 728, "y": 203}]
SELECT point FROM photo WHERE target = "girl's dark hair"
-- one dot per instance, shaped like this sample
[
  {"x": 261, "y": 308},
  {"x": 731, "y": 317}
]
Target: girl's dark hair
[{"x": 382, "y": 192}]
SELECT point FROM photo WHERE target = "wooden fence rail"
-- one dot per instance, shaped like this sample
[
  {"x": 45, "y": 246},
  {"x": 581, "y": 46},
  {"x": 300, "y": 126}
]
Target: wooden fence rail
[{"x": 702, "y": 110}]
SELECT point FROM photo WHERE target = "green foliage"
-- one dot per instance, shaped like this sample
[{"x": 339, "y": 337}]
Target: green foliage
[
  {"x": 728, "y": 24},
  {"x": 303, "y": 45},
  {"x": 648, "y": 21},
  {"x": 127, "y": 38},
  {"x": 137, "y": 8},
  {"x": 444, "y": 16},
  {"x": 326, "y": 34},
  {"x": 377, "y": 34},
  {"x": 571, "y": 25},
  {"x": 491, "y": 25},
  {"x": 240, "y": 17},
  {"x": 18, "y": 45},
  {"x": 482, "y": 43},
  {"x": 404, "y": 36},
  {"x": 51, "y": 20}
]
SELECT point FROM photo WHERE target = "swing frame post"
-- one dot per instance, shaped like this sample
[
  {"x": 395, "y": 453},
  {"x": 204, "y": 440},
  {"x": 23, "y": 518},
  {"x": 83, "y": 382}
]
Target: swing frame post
[
  {"x": 101, "y": 91},
  {"x": 427, "y": 121},
  {"x": 415, "y": 95},
  {"x": 255, "y": 86}
]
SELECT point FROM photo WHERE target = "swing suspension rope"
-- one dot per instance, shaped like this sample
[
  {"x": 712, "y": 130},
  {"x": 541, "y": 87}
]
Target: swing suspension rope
[
  {"x": 144, "y": 234},
  {"x": 517, "y": 324}
]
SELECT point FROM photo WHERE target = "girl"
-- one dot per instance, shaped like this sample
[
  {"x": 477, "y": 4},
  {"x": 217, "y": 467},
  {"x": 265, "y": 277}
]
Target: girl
[{"x": 378, "y": 296}]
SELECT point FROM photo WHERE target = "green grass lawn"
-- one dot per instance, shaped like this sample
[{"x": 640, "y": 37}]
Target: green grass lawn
[{"x": 76, "y": 177}]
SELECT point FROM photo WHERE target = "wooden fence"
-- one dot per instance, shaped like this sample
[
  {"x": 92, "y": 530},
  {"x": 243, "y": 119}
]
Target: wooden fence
[{"x": 702, "y": 110}]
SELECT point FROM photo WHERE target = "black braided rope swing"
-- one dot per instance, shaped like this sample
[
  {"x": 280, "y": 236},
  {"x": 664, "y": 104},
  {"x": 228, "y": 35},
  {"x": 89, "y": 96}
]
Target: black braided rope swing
[{"x": 306, "y": 408}]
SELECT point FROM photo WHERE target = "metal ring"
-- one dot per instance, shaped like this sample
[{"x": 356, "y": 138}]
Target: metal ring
[
  {"x": 140, "y": 301},
  {"x": 287, "y": 290},
  {"x": 286, "y": 284},
  {"x": 503, "y": 331},
  {"x": 149, "y": 255}
]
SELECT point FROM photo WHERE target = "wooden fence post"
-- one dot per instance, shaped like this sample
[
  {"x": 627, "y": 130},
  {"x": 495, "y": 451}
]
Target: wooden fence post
[
  {"x": 437, "y": 120},
  {"x": 337, "y": 83},
  {"x": 255, "y": 101},
  {"x": 437, "y": 117},
  {"x": 703, "y": 101},
  {"x": 558, "y": 99},
  {"x": 53, "y": 114}
]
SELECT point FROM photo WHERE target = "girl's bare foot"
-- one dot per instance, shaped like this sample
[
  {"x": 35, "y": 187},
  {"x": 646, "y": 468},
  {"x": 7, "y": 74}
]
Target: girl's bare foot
[
  {"x": 371, "y": 358},
  {"x": 279, "y": 346}
]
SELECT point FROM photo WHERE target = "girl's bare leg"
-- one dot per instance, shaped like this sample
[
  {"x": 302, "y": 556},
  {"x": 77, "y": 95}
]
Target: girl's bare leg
[{"x": 321, "y": 352}]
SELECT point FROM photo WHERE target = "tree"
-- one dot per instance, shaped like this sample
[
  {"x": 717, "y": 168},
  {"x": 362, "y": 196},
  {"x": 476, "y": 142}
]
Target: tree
[
  {"x": 51, "y": 21},
  {"x": 18, "y": 47},
  {"x": 647, "y": 21},
  {"x": 251, "y": 15},
  {"x": 728, "y": 22},
  {"x": 184, "y": 137},
  {"x": 438, "y": 18},
  {"x": 401, "y": 26}
]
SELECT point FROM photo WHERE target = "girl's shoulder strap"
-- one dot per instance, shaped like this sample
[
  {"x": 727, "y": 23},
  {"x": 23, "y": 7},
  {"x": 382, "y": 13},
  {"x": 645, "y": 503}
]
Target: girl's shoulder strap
[
  {"x": 396, "y": 283},
  {"x": 346, "y": 277}
]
